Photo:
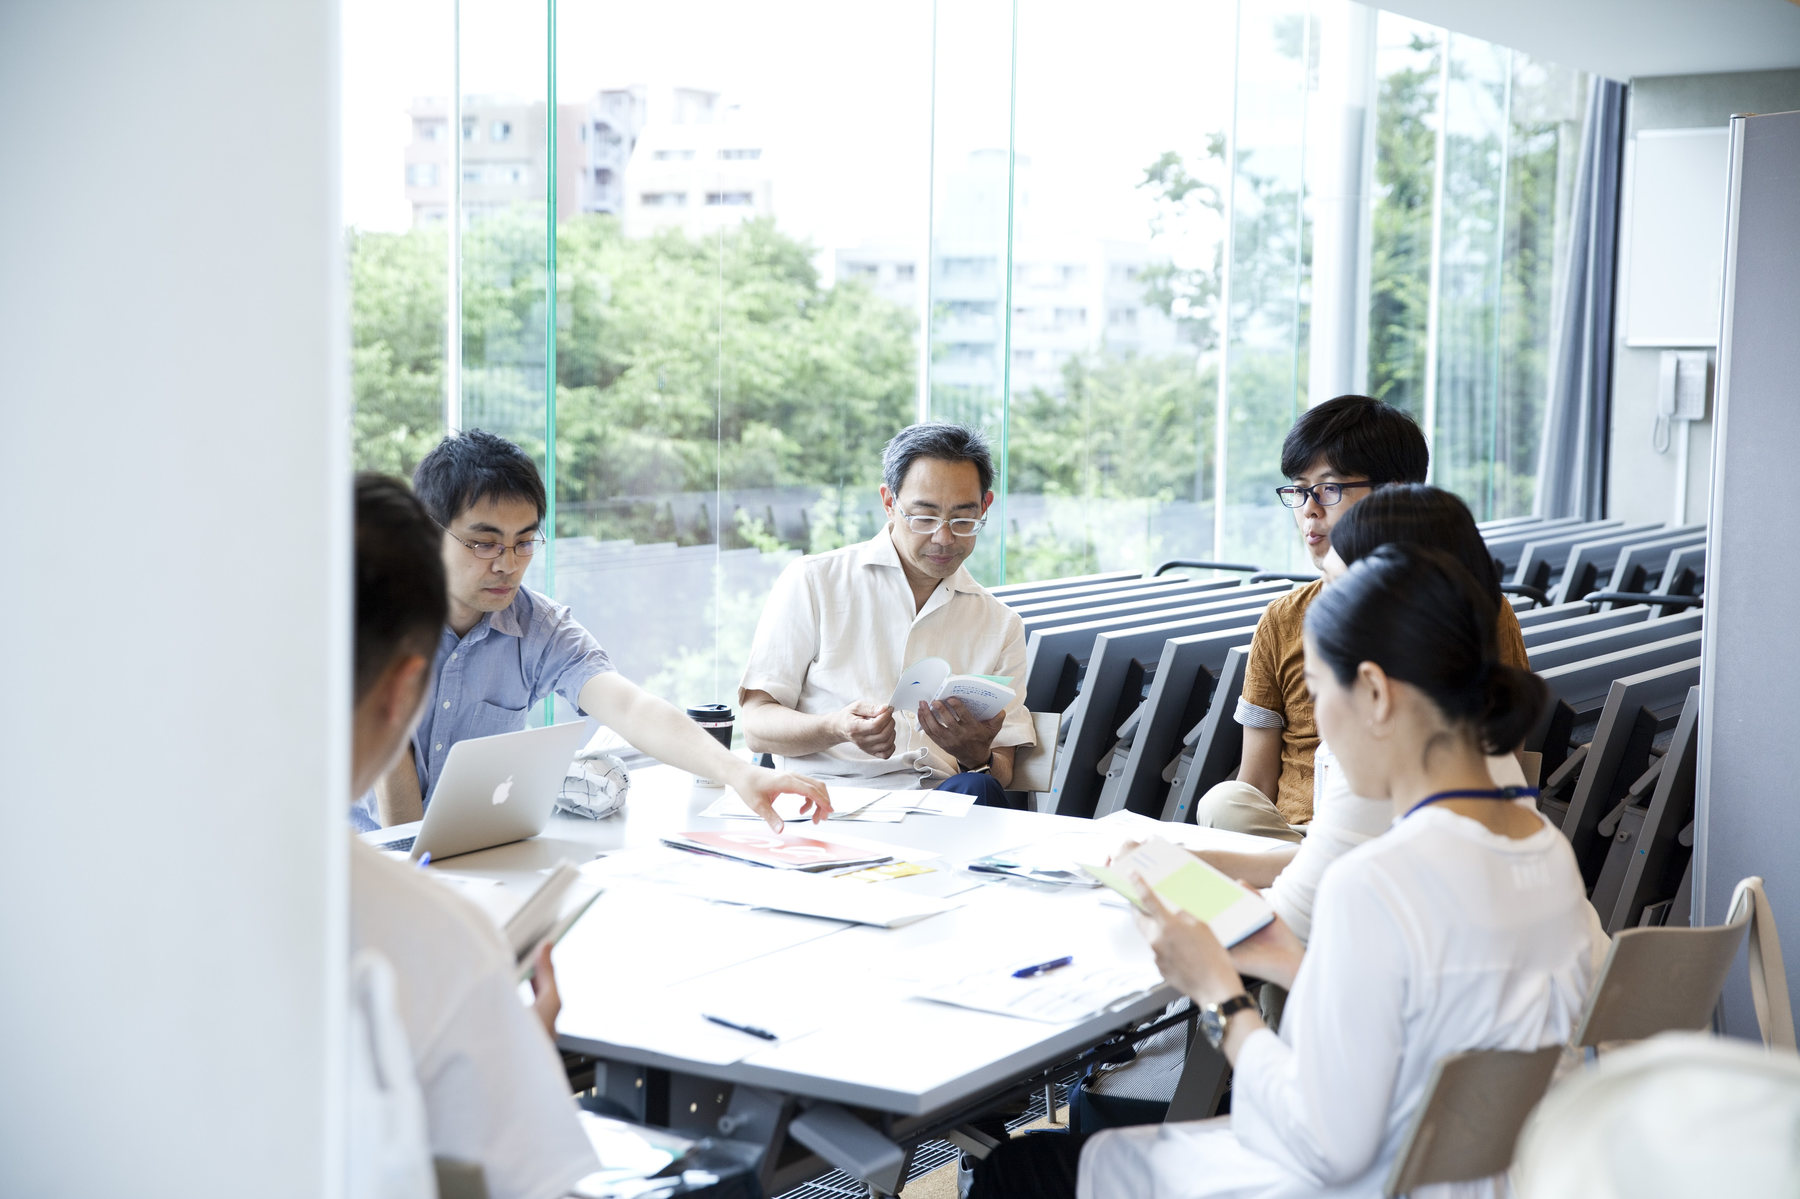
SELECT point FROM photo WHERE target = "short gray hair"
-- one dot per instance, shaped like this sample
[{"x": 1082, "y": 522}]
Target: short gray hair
[{"x": 939, "y": 439}]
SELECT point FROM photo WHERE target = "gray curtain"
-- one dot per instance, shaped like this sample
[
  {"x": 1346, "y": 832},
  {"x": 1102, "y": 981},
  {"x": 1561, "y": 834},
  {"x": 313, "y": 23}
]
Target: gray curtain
[{"x": 1572, "y": 462}]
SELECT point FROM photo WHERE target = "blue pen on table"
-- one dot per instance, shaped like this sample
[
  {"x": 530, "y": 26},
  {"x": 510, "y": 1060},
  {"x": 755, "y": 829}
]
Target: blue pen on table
[
  {"x": 1042, "y": 967},
  {"x": 764, "y": 1033},
  {"x": 424, "y": 859}
]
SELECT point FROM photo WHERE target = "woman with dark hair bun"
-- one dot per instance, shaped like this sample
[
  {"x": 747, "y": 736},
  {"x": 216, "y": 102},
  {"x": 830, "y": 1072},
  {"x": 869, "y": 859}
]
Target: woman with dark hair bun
[
  {"x": 1462, "y": 927},
  {"x": 1408, "y": 514}
]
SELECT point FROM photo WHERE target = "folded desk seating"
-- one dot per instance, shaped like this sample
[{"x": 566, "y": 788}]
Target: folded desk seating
[
  {"x": 1591, "y": 562},
  {"x": 1007, "y": 592},
  {"x": 1146, "y": 590},
  {"x": 1640, "y": 566},
  {"x": 1544, "y": 632},
  {"x": 1509, "y": 546},
  {"x": 1123, "y": 661},
  {"x": 1541, "y": 564},
  {"x": 1180, "y": 694},
  {"x": 1058, "y": 646}
]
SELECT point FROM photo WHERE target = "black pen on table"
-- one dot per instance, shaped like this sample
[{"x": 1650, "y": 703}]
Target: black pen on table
[
  {"x": 1043, "y": 967},
  {"x": 764, "y": 1033}
]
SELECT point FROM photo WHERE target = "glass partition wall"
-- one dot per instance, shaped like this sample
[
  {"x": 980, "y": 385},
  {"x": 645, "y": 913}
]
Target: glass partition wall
[{"x": 702, "y": 259}]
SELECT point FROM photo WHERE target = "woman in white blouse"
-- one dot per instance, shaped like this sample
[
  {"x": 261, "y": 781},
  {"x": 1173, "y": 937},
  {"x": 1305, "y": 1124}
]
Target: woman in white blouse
[{"x": 1461, "y": 928}]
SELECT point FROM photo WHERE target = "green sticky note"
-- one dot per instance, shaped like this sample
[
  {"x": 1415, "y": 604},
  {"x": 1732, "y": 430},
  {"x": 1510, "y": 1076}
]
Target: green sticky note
[
  {"x": 1205, "y": 893},
  {"x": 1115, "y": 880}
]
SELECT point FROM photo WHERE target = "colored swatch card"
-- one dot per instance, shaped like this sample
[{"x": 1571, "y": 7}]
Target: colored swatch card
[{"x": 1183, "y": 881}]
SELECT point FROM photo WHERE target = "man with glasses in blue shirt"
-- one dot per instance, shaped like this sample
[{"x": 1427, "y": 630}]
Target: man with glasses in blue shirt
[
  {"x": 507, "y": 648},
  {"x": 840, "y": 627}
]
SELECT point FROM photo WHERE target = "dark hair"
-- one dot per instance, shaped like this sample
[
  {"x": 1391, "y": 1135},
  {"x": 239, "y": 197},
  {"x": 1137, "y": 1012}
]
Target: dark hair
[
  {"x": 1417, "y": 514},
  {"x": 1358, "y": 436},
  {"x": 1417, "y": 614},
  {"x": 401, "y": 602},
  {"x": 936, "y": 439},
  {"x": 468, "y": 467}
]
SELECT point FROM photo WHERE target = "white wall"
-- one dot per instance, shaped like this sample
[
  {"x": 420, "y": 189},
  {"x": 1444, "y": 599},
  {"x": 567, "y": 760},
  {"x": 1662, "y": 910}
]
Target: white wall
[
  {"x": 175, "y": 607},
  {"x": 1642, "y": 481}
]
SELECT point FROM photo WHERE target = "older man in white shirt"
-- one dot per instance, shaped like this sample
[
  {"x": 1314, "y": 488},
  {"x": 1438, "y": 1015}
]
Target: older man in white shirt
[{"x": 840, "y": 627}]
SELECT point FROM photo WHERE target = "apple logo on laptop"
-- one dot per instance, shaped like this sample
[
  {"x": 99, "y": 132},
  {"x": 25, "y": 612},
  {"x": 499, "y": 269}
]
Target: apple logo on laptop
[{"x": 502, "y": 791}]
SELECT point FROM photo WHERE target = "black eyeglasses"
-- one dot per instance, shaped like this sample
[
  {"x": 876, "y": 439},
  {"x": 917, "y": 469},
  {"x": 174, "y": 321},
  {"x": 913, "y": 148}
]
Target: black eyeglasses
[{"x": 1327, "y": 494}]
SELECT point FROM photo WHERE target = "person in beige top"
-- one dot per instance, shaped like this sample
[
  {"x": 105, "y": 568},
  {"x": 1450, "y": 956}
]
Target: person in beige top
[{"x": 840, "y": 627}]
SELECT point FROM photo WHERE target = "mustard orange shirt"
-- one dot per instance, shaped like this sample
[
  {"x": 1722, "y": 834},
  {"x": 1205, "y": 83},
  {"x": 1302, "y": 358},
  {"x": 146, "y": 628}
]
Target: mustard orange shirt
[{"x": 1274, "y": 693}]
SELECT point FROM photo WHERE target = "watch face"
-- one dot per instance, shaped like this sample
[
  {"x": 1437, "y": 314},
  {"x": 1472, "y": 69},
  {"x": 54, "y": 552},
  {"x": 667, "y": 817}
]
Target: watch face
[{"x": 1213, "y": 1025}]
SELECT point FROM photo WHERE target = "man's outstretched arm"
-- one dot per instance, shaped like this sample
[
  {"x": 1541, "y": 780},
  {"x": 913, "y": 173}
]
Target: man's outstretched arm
[
  {"x": 771, "y": 727},
  {"x": 663, "y": 731}
]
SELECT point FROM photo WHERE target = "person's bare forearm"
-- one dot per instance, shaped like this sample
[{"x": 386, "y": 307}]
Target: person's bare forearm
[
  {"x": 1255, "y": 869},
  {"x": 1000, "y": 765},
  {"x": 397, "y": 798},
  {"x": 773, "y": 728}
]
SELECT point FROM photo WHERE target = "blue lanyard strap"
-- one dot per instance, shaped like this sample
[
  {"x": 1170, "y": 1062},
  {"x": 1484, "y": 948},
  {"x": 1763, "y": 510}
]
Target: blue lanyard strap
[{"x": 1494, "y": 793}]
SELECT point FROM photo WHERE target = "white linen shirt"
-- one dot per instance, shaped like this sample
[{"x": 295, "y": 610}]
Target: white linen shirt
[
  {"x": 841, "y": 626},
  {"x": 1341, "y": 821},
  {"x": 495, "y": 1092},
  {"x": 1434, "y": 938}
]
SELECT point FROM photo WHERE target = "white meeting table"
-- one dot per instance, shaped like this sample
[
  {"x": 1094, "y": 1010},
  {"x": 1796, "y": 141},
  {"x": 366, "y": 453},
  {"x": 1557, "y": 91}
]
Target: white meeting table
[{"x": 882, "y": 1069}]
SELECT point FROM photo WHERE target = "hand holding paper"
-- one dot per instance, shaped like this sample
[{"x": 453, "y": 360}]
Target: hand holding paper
[{"x": 1186, "y": 884}]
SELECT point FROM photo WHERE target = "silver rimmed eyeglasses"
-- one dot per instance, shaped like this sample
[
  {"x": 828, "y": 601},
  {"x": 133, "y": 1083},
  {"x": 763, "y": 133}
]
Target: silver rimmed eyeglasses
[
  {"x": 487, "y": 551},
  {"x": 961, "y": 526}
]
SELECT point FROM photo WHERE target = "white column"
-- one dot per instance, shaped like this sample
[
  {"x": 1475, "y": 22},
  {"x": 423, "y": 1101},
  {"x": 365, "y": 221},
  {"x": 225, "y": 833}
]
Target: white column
[{"x": 173, "y": 375}]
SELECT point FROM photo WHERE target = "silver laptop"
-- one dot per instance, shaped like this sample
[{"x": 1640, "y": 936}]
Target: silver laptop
[{"x": 492, "y": 790}]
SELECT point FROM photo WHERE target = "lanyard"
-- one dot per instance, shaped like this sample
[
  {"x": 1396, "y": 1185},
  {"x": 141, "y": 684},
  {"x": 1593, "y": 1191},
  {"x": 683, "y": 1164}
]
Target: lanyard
[{"x": 1495, "y": 793}]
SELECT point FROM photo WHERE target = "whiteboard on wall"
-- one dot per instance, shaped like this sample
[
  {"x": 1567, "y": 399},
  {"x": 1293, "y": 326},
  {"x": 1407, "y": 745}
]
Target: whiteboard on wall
[{"x": 1675, "y": 236}]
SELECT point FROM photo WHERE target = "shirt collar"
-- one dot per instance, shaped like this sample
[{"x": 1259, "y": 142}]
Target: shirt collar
[
  {"x": 879, "y": 551},
  {"x": 506, "y": 620}
]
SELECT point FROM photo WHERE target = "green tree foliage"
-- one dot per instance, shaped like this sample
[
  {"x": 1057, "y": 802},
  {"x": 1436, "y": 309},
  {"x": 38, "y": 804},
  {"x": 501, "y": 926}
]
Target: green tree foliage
[
  {"x": 397, "y": 310},
  {"x": 682, "y": 364},
  {"x": 1400, "y": 227}
]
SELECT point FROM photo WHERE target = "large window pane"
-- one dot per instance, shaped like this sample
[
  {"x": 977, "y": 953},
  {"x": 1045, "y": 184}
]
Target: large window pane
[
  {"x": 1548, "y": 104},
  {"x": 1466, "y": 405},
  {"x": 1117, "y": 236},
  {"x": 973, "y": 174},
  {"x": 1408, "y": 77},
  {"x": 396, "y": 161},
  {"x": 1269, "y": 275},
  {"x": 739, "y": 280}
]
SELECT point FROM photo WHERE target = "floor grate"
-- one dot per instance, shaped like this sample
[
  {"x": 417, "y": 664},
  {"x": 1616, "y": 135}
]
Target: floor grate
[{"x": 926, "y": 1158}]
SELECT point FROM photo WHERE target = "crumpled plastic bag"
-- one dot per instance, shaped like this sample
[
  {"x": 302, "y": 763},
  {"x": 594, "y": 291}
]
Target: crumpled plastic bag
[{"x": 596, "y": 785}]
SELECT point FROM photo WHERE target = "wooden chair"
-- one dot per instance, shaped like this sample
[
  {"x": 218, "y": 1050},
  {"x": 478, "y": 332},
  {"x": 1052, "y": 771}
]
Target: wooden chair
[
  {"x": 1468, "y": 1125},
  {"x": 1670, "y": 979}
]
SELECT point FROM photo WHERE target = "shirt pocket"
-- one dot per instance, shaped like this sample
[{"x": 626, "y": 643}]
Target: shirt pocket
[{"x": 487, "y": 720}]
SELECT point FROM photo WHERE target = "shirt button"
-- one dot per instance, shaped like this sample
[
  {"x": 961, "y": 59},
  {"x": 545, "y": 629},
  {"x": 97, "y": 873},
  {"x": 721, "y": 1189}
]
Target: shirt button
[
  {"x": 439, "y": 745},
  {"x": 446, "y": 703},
  {"x": 453, "y": 656}
]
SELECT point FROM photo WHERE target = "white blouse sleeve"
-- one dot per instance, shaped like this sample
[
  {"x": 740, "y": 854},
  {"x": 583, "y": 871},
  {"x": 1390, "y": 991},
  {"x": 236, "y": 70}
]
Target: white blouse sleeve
[
  {"x": 1341, "y": 821},
  {"x": 1317, "y": 1100}
]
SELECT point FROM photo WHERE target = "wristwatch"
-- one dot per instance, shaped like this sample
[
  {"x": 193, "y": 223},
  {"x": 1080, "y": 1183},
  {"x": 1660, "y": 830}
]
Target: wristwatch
[{"x": 1215, "y": 1016}]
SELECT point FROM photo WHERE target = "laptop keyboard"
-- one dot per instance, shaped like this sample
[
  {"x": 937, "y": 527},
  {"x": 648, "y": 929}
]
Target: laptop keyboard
[{"x": 397, "y": 846}]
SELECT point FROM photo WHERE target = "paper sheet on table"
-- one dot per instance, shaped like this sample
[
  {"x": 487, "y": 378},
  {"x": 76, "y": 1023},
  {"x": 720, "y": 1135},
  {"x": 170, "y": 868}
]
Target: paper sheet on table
[
  {"x": 811, "y": 895},
  {"x": 731, "y": 806},
  {"x": 1057, "y": 997},
  {"x": 1126, "y": 826}
]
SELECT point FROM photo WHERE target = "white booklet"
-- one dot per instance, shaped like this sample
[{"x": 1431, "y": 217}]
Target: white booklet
[
  {"x": 547, "y": 914},
  {"x": 930, "y": 679}
]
